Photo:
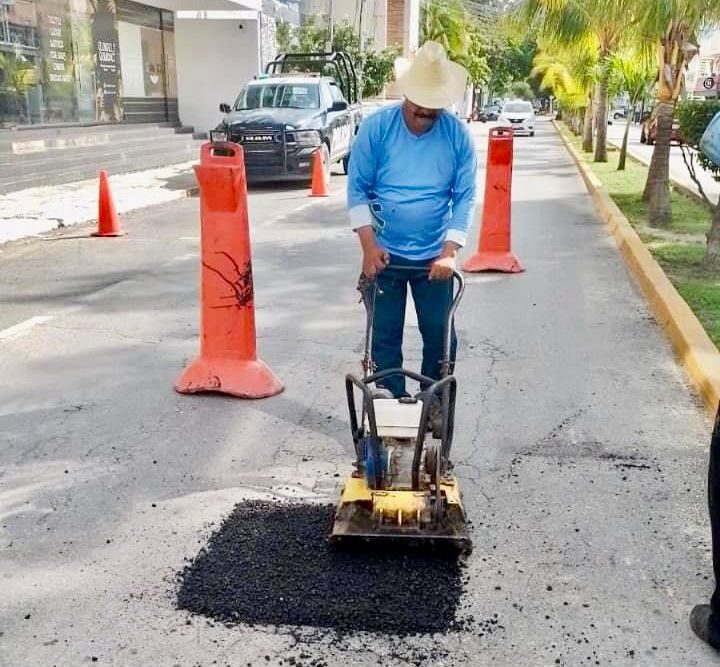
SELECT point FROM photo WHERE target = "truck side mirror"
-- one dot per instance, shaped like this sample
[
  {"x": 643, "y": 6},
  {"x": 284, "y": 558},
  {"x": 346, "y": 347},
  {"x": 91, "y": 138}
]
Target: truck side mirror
[
  {"x": 225, "y": 108},
  {"x": 338, "y": 106}
]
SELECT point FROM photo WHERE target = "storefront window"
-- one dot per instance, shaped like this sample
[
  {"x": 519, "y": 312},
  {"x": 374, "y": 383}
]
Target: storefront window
[
  {"x": 83, "y": 60},
  {"x": 141, "y": 56},
  {"x": 147, "y": 53},
  {"x": 19, "y": 55},
  {"x": 68, "y": 61},
  {"x": 55, "y": 71}
]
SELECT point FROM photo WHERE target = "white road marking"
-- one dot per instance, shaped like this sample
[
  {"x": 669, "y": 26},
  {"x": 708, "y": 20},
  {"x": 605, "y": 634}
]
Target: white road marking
[
  {"x": 184, "y": 258},
  {"x": 485, "y": 278},
  {"x": 23, "y": 327}
]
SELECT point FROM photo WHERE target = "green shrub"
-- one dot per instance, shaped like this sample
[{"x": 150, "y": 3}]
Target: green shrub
[{"x": 694, "y": 117}]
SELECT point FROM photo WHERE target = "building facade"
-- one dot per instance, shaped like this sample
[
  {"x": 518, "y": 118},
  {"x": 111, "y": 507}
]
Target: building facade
[
  {"x": 702, "y": 80},
  {"x": 84, "y": 61},
  {"x": 384, "y": 23},
  {"x": 110, "y": 61}
]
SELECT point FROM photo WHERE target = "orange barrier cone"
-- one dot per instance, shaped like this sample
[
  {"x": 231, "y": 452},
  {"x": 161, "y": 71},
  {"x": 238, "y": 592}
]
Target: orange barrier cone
[
  {"x": 108, "y": 221},
  {"x": 493, "y": 253},
  {"x": 319, "y": 185},
  {"x": 228, "y": 361}
]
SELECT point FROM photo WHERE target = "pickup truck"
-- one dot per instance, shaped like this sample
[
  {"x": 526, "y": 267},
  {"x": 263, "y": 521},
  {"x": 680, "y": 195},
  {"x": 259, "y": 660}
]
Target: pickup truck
[{"x": 281, "y": 118}]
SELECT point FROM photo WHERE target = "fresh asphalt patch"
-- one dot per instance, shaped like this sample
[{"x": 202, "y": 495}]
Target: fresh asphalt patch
[{"x": 271, "y": 564}]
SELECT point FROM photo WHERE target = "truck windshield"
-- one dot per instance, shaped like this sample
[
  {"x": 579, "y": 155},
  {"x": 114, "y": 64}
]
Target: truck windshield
[{"x": 279, "y": 95}]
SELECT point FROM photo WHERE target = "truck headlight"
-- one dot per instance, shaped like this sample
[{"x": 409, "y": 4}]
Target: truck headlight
[
  {"x": 307, "y": 137},
  {"x": 217, "y": 136}
]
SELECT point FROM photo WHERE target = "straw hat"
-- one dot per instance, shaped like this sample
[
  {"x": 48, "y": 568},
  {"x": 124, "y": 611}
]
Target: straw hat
[{"x": 430, "y": 80}]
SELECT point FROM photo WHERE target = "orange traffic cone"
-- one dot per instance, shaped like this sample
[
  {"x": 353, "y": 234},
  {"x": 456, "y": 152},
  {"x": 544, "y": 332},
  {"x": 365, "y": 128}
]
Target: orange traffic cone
[
  {"x": 108, "y": 221},
  {"x": 319, "y": 185},
  {"x": 493, "y": 253},
  {"x": 228, "y": 361}
]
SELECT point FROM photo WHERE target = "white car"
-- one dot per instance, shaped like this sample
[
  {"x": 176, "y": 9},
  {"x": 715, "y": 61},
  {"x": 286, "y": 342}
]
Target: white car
[{"x": 520, "y": 116}]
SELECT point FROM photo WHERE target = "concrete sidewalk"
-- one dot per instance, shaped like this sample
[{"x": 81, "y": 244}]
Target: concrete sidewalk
[
  {"x": 678, "y": 170},
  {"x": 43, "y": 209},
  {"x": 580, "y": 448}
]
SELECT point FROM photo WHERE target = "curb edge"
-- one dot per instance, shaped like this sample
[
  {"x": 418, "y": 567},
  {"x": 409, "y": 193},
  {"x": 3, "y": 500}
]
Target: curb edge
[{"x": 692, "y": 345}]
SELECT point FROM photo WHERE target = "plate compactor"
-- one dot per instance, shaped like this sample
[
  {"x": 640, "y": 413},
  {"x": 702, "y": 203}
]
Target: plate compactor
[{"x": 402, "y": 486}]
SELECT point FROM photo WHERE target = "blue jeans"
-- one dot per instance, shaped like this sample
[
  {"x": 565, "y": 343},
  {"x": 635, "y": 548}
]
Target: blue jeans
[{"x": 432, "y": 301}]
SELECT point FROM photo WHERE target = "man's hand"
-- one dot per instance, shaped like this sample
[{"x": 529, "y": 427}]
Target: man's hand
[
  {"x": 374, "y": 261},
  {"x": 442, "y": 268},
  {"x": 375, "y": 257}
]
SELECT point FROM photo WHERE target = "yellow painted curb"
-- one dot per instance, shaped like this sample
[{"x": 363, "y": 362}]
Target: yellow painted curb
[{"x": 692, "y": 344}]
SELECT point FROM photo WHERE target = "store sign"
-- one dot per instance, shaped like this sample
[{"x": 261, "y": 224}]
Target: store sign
[
  {"x": 56, "y": 47},
  {"x": 107, "y": 61},
  {"x": 58, "y": 56},
  {"x": 709, "y": 83}
]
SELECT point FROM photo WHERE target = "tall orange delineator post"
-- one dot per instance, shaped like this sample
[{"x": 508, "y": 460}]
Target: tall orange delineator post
[
  {"x": 228, "y": 361},
  {"x": 493, "y": 253}
]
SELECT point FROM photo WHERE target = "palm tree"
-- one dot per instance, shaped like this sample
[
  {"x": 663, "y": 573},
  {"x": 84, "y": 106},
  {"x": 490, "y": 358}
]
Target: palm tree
[
  {"x": 635, "y": 77},
  {"x": 604, "y": 25},
  {"x": 575, "y": 100},
  {"x": 447, "y": 22},
  {"x": 670, "y": 27},
  {"x": 571, "y": 74}
]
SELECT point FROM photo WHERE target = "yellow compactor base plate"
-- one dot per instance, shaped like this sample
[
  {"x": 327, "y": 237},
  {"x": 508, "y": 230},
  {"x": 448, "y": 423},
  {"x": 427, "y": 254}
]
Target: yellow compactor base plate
[{"x": 363, "y": 513}]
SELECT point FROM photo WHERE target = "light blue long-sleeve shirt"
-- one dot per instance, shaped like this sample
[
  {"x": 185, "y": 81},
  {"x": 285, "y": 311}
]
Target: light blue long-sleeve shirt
[{"x": 417, "y": 191}]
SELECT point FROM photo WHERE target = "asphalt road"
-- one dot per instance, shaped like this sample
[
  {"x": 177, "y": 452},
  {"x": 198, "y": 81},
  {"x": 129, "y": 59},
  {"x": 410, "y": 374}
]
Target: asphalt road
[{"x": 580, "y": 447}]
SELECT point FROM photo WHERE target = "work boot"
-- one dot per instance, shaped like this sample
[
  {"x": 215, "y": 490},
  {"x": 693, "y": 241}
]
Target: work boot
[{"x": 705, "y": 625}]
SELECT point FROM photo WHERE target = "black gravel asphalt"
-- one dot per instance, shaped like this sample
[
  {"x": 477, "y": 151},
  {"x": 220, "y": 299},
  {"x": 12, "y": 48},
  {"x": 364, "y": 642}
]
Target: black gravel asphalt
[{"x": 271, "y": 563}]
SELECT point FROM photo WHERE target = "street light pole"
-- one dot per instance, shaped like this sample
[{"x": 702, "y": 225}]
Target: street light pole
[
  {"x": 361, "y": 49},
  {"x": 331, "y": 21}
]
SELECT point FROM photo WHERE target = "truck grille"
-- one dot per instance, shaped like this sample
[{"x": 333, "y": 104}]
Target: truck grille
[
  {"x": 262, "y": 146},
  {"x": 262, "y": 156}
]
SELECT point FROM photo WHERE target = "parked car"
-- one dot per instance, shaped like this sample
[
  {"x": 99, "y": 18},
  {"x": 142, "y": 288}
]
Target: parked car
[
  {"x": 648, "y": 133},
  {"x": 520, "y": 116},
  {"x": 489, "y": 113},
  {"x": 283, "y": 117}
]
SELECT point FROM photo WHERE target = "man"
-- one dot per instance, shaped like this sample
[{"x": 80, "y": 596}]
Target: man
[
  {"x": 705, "y": 618},
  {"x": 411, "y": 196}
]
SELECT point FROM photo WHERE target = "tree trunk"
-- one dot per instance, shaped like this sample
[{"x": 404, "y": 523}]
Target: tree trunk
[
  {"x": 657, "y": 188},
  {"x": 623, "y": 149},
  {"x": 712, "y": 249},
  {"x": 587, "y": 144},
  {"x": 601, "y": 119}
]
